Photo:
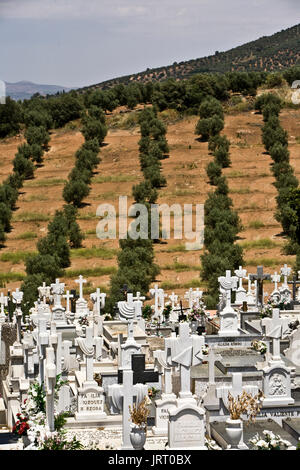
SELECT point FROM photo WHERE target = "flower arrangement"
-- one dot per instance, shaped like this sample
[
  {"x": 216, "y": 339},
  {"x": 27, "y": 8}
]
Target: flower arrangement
[
  {"x": 152, "y": 393},
  {"x": 21, "y": 427},
  {"x": 197, "y": 313},
  {"x": 98, "y": 379},
  {"x": 139, "y": 413},
  {"x": 259, "y": 346},
  {"x": 245, "y": 404},
  {"x": 83, "y": 321},
  {"x": 267, "y": 310},
  {"x": 269, "y": 441},
  {"x": 34, "y": 415},
  {"x": 205, "y": 350}
]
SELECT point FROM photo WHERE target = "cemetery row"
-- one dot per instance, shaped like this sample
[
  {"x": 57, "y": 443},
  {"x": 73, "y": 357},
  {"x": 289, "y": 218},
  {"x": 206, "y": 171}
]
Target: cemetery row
[{"x": 167, "y": 376}]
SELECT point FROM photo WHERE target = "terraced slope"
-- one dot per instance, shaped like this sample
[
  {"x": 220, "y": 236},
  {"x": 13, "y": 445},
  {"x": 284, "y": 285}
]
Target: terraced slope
[{"x": 249, "y": 178}]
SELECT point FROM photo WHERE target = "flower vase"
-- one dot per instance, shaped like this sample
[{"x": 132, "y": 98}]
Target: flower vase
[
  {"x": 234, "y": 430},
  {"x": 194, "y": 326},
  {"x": 138, "y": 437},
  {"x": 26, "y": 441}
]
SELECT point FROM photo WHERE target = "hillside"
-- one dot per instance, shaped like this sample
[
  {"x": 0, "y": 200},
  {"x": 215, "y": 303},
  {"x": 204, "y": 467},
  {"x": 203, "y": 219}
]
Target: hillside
[
  {"x": 269, "y": 53},
  {"x": 250, "y": 182}
]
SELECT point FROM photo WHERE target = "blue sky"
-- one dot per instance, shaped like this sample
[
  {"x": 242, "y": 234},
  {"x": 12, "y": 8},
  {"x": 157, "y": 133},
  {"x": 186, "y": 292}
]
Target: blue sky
[{"x": 81, "y": 42}]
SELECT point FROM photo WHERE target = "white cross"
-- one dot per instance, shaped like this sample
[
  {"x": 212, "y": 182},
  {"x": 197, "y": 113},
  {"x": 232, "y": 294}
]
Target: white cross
[
  {"x": 241, "y": 273},
  {"x": 68, "y": 296},
  {"x": 285, "y": 271},
  {"x": 44, "y": 291},
  {"x": 58, "y": 290},
  {"x": 173, "y": 297},
  {"x": 17, "y": 296},
  {"x": 98, "y": 299},
  {"x": 43, "y": 341},
  {"x": 87, "y": 347},
  {"x": 276, "y": 278},
  {"x": 139, "y": 297},
  {"x": 189, "y": 296},
  {"x": 186, "y": 351},
  {"x": 275, "y": 329},
  {"x": 228, "y": 283},
  {"x": 80, "y": 281},
  {"x": 197, "y": 296},
  {"x": 122, "y": 397}
]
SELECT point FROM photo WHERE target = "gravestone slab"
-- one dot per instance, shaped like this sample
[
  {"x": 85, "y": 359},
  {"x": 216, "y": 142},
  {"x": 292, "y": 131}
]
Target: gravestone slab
[
  {"x": 186, "y": 428},
  {"x": 219, "y": 434}
]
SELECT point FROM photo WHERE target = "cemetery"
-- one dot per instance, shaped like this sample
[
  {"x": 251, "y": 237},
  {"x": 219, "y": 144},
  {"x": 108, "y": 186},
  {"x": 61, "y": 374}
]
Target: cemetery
[{"x": 184, "y": 378}]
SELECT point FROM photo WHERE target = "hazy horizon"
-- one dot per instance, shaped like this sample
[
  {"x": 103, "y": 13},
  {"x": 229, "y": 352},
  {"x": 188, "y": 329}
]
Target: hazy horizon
[{"x": 75, "y": 43}]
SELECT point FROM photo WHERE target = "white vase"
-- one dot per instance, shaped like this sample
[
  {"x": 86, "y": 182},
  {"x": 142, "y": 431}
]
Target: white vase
[
  {"x": 234, "y": 430},
  {"x": 138, "y": 438}
]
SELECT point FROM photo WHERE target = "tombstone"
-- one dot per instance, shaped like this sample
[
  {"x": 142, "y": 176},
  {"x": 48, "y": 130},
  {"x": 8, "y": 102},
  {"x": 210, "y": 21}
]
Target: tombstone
[
  {"x": 236, "y": 389},
  {"x": 44, "y": 294},
  {"x": 50, "y": 381},
  {"x": 185, "y": 351},
  {"x": 229, "y": 322},
  {"x": 127, "y": 312},
  {"x": 81, "y": 303},
  {"x": 276, "y": 376},
  {"x": 90, "y": 395},
  {"x": 241, "y": 292},
  {"x": 58, "y": 311},
  {"x": 122, "y": 397},
  {"x": 64, "y": 397},
  {"x": 286, "y": 295},
  {"x": 138, "y": 301},
  {"x": 98, "y": 300},
  {"x": 186, "y": 428},
  {"x": 260, "y": 277},
  {"x": 167, "y": 400},
  {"x": 275, "y": 295},
  {"x": 173, "y": 318}
]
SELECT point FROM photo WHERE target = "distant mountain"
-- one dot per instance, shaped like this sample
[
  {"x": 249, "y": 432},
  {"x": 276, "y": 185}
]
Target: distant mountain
[
  {"x": 269, "y": 53},
  {"x": 24, "y": 90}
]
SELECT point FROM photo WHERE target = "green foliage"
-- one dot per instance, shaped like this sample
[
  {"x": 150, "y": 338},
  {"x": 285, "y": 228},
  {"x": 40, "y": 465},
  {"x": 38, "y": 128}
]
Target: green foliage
[
  {"x": 214, "y": 171},
  {"x": 37, "y": 135},
  {"x": 75, "y": 191},
  {"x": 211, "y": 107},
  {"x": 10, "y": 118}
]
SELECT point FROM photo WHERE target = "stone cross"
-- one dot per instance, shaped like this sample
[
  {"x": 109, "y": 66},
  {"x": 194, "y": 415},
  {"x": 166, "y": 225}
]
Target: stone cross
[
  {"x": 44, "y": 292},
  {"x": 275, "y": 329},
  {"x": 294, "y": 283},
  {"x": 173, "y": 297},
  {"x": 56, "y": 342},
  {"x": 260, "y": 277},
  {"x": 186, "y": 351},
  {"x": 58, "y": 289},
  {"x": 68, "y": 297},
  {"x": 87, "y": 347},
  {"x": 189, "y": 296},
  {"x": 141, "y": 375},
  {"x": 285, "y": 271},
  {"x": 197, "y": 296},
  {"x": 17, "y": 296},
  {"x": 159, "y": 301},
  {"x": 3, "y": 303},
  {"x": 275, "y": 278},
  {"x": 241, "y": 273},
  {"x": 43, "y": 342},
  {"x": 122, "y": 397},
  {"x": 98, "y": 299},
  {"x": 228, "y": 283},
  {"x": 80, "y": 281},
  {"x": 50, "y": 376},
  {"x": 127, "y": 311}
]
